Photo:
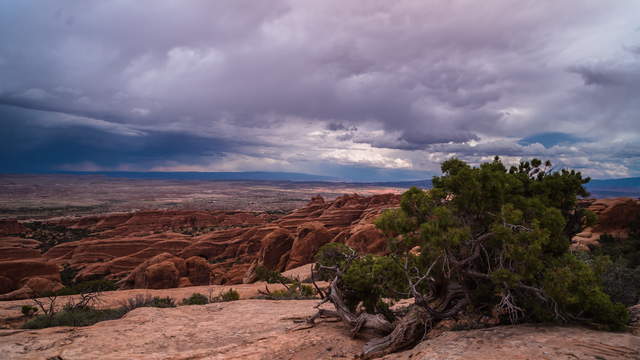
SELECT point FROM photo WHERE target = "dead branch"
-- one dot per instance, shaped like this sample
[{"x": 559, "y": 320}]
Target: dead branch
[
  {"x": 267, "y": 292},
  {"x": 50, "y": 308},
  {"x": 315, "y": 285}
]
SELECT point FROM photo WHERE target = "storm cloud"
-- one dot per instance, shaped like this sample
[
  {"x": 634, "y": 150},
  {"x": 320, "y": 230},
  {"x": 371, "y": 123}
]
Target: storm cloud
[{"x": 354, "y": 89}]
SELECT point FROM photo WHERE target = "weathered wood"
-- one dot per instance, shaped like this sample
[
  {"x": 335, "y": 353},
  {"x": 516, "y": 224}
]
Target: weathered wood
[{"x": 409, "y": 330}]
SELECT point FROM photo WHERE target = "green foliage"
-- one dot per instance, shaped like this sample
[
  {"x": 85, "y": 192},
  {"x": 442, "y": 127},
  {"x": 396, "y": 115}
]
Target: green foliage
[
  {"x": 590, "y": 218},
  {"x": 576, "y": 287},
  {"x": 76, "y": 317},
  {"x": 622, "y": 283},
  {"x": 370, "y": 281},
  {"x": 195, "y": 299},
  {"x": 371, "y": 278},
  {"x": 621, "y": 273},
  {"x": 270, "y": 276},
  {"x": 501, "y": 234},
  {"x": 331, "y": 254},
  {"x": 623, "y": 251},
  {"x": 28, "y": 310}
]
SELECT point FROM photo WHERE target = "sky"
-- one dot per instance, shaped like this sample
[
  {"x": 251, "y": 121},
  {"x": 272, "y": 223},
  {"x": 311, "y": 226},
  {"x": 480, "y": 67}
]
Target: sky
[{"x": 362, "y": 90}]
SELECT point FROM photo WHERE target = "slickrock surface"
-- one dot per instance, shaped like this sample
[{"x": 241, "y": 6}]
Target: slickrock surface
[
  {"x": 164, "y": 249},
  {"x": 249, "y": 329},
  {"x": 526, "y": 342},
  {"x": 261, "y": 329},
  {"x": 113, "y": 299}
]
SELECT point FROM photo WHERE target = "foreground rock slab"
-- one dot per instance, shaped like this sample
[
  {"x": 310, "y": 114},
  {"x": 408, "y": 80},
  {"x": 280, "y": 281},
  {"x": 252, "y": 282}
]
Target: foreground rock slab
[
  {"x": 261, "y": 329},
  {"x": 247, "y": 329},
  {"x": 526, "y": 342}
]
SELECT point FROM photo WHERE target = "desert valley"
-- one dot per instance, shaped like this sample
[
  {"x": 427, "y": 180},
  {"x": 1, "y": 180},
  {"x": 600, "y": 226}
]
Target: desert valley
[
  {"x": 176, "y": 252},
  {"x": 319, "y": 179}
]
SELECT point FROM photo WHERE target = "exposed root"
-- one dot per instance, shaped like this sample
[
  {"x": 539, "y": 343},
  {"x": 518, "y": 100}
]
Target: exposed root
[{"x": 408, "y": 331}]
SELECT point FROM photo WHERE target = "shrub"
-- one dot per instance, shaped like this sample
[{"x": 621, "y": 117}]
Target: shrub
[
  {"x": 620, "y": 271},
  {"x": 295, "y": 291},
  {"x": 28, "y": 310},
  {"x": 99, "y": 285},
  {"x": 331, "y": 254},
  {"x": 74, "y": 317},
  {"x": 163, "y": 302},
  {"x": 371, "y": 278},
  {"x": 195, "y": 299},
  {"x": 270, "y": 276},
  {"x": 141, "y": 300},
  {"x": 622, "y": 283},
  {"x": 229, "y": 295},
  {"x": 499, "y": 236}
]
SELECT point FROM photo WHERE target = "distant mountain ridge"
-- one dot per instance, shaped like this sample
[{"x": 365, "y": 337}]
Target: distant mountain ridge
[
  {"x": 607, "y": 188},
  {"x": 598, "y": 188},
  {"x": 220, "y": 176}
]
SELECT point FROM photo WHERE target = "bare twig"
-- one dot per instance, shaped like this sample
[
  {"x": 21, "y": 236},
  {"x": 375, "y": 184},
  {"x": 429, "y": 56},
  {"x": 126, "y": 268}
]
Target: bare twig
[{"x": 313, "y": 281}]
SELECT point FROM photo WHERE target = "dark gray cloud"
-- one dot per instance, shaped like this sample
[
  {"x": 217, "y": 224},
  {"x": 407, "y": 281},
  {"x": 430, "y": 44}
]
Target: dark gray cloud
[{"x": 291, "y": 85}]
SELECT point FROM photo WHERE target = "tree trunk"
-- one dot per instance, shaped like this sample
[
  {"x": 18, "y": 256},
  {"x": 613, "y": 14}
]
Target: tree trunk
[
  {"x": 364, "y": 320},
  {"x": 408, "y": 331}
]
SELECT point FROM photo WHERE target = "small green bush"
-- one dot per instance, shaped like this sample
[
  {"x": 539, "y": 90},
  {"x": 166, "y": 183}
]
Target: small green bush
[
  {"x": 28, "y": 310},
  {"x": 229, "y": 295},
  {"x": 270, "y": 276},
  {"x": 76, "y": 317},
  {"x": 195, "y": 299},
  {"x": 141, "y": 300},
  {"x": 163, "y": 302}
]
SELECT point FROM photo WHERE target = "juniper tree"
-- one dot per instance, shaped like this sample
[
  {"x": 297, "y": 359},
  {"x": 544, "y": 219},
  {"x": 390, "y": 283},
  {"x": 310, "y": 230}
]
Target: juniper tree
[{"x": 488, "y": 239}]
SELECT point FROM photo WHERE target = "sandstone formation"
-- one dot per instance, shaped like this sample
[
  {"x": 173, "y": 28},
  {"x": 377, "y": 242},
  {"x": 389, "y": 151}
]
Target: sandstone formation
[
  {"x": 11, "y": 227},
  {"x": 614, "y": 217},
  {"x": 213, "y": 247},
  {"x": 161, "y": 249},
  {"x": 634, "y": 319},
  {"x": 21, "y": 279}
]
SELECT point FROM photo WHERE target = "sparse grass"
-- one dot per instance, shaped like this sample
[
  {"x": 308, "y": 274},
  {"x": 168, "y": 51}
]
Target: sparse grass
[
  {"x": 295, "y": 291},
  {"x": 75, "y": 317},
  {"x": 200, "y": 299},
  {"x": 147, "y": 300},
  {"x": 195, "y": 299}
]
